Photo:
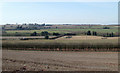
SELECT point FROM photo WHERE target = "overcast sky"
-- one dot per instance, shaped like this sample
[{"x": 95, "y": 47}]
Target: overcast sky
[{"x": 59, "y": 12}]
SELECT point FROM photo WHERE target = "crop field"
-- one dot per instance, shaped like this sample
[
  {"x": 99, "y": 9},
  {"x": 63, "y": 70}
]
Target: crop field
[{"x": 76, "y": 42}]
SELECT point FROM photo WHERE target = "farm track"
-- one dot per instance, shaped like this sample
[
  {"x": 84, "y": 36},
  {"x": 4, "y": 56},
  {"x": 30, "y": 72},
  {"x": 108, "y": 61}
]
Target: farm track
[{"x": 60, "y": 61}]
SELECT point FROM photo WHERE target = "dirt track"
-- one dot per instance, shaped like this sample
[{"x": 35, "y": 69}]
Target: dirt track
[{"x": 60, "y": 61}]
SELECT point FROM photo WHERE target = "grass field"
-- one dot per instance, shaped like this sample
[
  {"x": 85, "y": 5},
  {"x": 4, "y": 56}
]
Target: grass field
[{"x": 61, "y": 31}]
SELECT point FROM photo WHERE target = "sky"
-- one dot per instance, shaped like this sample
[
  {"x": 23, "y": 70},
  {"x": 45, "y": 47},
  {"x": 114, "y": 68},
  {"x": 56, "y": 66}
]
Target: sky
[{"x": 59, "y": 12}]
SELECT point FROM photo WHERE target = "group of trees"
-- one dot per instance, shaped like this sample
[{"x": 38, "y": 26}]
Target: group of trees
[
  {"x": 44, "y": 33},
  {"x": 109, "y": 35},
  {"x": 106, "y": 27},
  {"x": 34, "y": 34},
  {"x": 55, "y": 34},
  {"x": 92, "y": 33},
  {"x": 27, "y": 27}
]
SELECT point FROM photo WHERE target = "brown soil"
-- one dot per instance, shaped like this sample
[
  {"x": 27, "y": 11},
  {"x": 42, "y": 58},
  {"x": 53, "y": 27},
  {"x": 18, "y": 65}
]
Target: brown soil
[{"x": 59, "y": 61}]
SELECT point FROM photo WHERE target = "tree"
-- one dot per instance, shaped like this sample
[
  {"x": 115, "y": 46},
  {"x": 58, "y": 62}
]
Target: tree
[
  {"x": 56, "y": 34},
  {"x": 46, "y": 37},
  {"x": 34, "y": 34},
  {"x": 112, "y": 34},
  {"x": 94, "y": 33},
  {"x": 106, "y": 27},
  {"x": 88, "y": 33},
  {"x": 44, "y": 33}
]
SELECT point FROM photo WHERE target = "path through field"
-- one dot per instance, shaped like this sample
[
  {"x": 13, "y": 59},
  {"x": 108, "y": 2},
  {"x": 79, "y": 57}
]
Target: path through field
[{"x": 60, "y": 61}]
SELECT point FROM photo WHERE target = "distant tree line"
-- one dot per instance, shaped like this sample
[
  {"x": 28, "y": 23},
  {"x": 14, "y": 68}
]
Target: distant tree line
[
  {"x": 94, "y": 33},
  {"x": 106, "y": 27},
  {"x": 46, "y": 33},
  {"x": 27, "y": 27},
  {"x": 43, "y": 33}
]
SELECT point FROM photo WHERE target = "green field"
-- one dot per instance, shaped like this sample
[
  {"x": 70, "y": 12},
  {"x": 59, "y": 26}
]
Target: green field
[
  {"x": 61, "y": 31},
  {"x": 11, "y": 30}
]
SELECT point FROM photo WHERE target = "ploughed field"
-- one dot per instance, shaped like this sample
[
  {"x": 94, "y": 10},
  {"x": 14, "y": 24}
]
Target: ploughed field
[{"x": 59, "y": 61}]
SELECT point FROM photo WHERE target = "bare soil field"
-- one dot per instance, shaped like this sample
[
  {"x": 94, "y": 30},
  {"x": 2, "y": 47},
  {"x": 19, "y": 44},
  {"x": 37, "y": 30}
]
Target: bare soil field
[{"x": 59, "y": 61}]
